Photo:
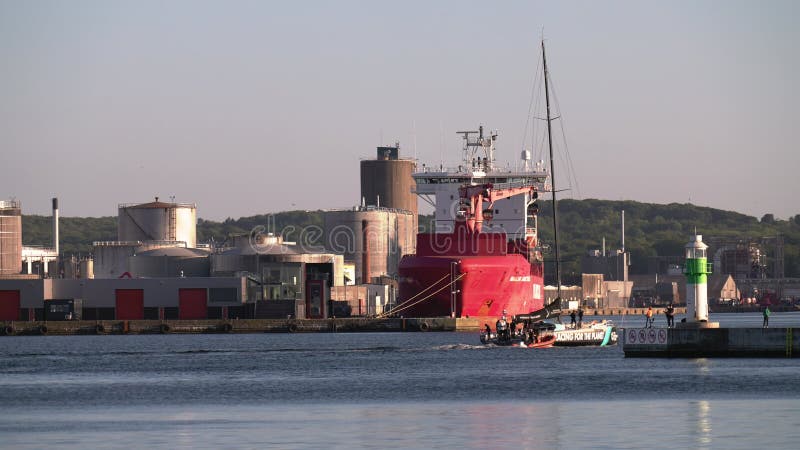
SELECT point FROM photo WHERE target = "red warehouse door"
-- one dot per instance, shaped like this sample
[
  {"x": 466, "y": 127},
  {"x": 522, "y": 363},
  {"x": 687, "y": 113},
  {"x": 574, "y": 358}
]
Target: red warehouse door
[
  {"x": 192, "y": 304},
  {"x": 130, "y": 304},
  {"x": 9, "y": 305}
]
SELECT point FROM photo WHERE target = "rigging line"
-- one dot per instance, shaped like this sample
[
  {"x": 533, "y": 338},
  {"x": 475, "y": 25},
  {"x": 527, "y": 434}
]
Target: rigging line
[
  {"x": 571, "y": 168},
  {"x": 530, "y": 106},
  {"x": 543, "y": 133},
  {"x": 542, "y": 144}
]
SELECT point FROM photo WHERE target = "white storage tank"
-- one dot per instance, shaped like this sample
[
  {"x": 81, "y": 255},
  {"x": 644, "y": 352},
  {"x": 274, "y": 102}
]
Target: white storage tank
[
  {"x": 169, "y": 262},
  {"x": 158, "y": 221}
]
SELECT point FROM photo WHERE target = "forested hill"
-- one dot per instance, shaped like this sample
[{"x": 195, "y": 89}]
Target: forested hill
[
  {"x": 650, "y": 229},
  {"x": 658, "y": 230}
]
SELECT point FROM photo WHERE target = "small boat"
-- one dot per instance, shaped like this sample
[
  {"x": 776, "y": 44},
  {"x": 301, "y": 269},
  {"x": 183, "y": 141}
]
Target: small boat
[{"x": 532, "y": 335}]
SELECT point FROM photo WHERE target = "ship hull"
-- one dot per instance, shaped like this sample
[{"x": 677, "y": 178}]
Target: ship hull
[{"x": 485, "y": 286}]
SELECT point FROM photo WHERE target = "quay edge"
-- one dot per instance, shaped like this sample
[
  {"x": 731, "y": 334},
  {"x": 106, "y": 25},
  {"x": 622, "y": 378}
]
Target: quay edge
[
  {"x": 699, "y": 342},
  {"x": 53, "y": 328}
]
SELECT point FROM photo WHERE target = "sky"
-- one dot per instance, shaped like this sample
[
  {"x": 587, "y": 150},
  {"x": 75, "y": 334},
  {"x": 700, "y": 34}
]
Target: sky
[{"x": 250, "y": 107}]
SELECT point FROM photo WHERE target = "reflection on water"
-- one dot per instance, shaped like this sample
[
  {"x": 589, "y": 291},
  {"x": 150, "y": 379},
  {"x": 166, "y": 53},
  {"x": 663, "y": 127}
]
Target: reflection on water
[
  {"x": 699, "y": 415},
  {"x": 702, "y": 365},
  {"x": 729, "y": 424},
  {"x": 382, "y": 390}
]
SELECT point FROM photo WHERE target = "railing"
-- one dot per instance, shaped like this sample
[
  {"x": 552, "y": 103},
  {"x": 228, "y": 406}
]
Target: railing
[
  {"x": 144, "y": 204},
  {"x": 137, "y": 243},
  {"x": 10, "y": 204},
  {"x": 115, "y": 243}
]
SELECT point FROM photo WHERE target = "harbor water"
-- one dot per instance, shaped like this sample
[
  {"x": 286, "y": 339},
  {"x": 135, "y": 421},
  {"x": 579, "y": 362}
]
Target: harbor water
[{"x": 387, "y": 390}]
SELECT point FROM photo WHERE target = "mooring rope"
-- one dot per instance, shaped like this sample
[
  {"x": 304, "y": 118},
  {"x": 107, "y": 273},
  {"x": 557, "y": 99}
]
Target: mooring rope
[{"x": 403, "y": 306}]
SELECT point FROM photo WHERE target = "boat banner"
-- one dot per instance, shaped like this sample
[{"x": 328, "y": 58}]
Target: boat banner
[{"x": 591, "y": 335}]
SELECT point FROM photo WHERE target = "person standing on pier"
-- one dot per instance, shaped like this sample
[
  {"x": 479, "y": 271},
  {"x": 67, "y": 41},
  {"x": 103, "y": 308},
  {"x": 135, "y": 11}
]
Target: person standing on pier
[
  {"x": 766, "y": 317},
  {"x": 670, "y": 313},
  {"x": 649, "y": 317},
  {"x": 572, "y": 318},
  {"x": 580, "y": 318}
]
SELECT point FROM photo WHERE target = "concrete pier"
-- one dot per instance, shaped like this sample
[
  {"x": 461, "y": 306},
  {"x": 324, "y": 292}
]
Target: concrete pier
[
  {"x": 76, "y": 327},
  {"x": 699, "y": 342}
]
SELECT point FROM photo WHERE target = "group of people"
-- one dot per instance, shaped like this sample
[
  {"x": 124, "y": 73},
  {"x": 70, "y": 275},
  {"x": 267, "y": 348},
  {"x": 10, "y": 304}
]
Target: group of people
[
  {"x": 669, "y": 311},
  {"x": 580, "y": 318}
]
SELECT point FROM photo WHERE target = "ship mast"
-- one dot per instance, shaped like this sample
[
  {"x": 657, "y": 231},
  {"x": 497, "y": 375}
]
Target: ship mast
[{"x": 552, "y": 176}]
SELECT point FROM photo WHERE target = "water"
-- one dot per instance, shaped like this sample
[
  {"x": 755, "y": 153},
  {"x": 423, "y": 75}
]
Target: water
[{"x": 386, "y": 390}]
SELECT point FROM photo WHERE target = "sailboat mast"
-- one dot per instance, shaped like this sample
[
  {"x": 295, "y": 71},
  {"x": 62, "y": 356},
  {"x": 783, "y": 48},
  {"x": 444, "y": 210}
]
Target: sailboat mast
[{"x": 552, "y": 173}]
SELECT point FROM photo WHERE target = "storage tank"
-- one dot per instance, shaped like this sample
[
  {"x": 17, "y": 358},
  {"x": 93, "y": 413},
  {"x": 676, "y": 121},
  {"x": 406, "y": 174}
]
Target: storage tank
[
  {"x": 387, "y": 182},
  {"x": 390, "y": 234},
  {"x": 169, "y": 262},
  {"x": 111, "y": 258},
  {"x": 10, "y": 237},
  {"x": 86, "y": 268},
  {"x": 158, "y": 221}
]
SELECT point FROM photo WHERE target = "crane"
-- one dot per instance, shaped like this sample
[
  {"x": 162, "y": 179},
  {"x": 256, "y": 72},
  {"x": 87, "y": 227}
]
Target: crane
[{"x": 478, "y": 200}]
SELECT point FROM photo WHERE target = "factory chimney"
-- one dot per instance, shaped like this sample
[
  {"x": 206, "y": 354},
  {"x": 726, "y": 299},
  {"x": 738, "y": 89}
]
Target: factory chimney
[{"x": 55, "y": 233}]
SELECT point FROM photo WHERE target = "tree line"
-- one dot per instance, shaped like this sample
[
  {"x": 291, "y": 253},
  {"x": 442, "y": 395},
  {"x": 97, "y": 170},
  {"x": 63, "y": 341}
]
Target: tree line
[{"x": 650, "y": 230}]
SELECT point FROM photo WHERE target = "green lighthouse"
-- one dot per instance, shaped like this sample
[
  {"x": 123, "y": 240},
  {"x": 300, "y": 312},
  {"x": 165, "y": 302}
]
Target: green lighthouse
[{"x": 696, "y": 270}]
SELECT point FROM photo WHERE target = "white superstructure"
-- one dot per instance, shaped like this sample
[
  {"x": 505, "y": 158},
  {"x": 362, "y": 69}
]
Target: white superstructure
[{"x": 510, "y": 216}]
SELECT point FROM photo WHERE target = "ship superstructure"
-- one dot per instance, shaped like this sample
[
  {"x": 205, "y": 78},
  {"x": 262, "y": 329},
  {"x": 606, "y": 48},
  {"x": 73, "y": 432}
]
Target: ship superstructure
[{"x": 483, "y": 257}]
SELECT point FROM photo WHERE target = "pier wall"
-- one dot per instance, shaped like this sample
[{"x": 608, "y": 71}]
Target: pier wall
[
  {"x": 99, "y": 327},
  {"x": 706, "y": 342}
]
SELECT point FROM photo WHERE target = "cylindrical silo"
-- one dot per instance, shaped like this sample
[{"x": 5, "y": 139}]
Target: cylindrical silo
[
  {"x": 387, "y": 182},
  {"x": 158, "y": 221},
  {"x": 86, "y": 268},
  {"x": 388, "y": 234},
  {"x": 10, "y": 237},
  {"x": 169, "y": 262}
]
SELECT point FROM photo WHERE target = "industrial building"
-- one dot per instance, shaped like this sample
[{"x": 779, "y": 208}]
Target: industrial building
[
  {"x": 279, "y": 270},
  {"x": 662, "y": 290},
  {"x": 156, "y": 270},
  {"x": 127, "y": 299}
]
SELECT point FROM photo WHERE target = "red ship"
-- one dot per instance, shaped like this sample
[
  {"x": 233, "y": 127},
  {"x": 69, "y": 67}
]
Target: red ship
[{"x": 484, "y": 259}]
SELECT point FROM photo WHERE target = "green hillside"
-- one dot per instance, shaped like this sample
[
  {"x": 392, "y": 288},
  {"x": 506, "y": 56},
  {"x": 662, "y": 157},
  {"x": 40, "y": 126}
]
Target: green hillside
[{"x": 650, "y": 230}]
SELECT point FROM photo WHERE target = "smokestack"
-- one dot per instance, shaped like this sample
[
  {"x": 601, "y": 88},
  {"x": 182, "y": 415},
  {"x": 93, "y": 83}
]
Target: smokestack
[
  {"x": 623, "y": 231},
  {"x": 55, "y": 231}
]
